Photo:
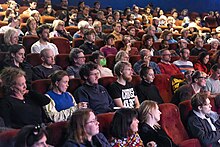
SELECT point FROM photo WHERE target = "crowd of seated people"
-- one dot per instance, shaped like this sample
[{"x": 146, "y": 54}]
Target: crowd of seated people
[{"x": 139, "y": 51}]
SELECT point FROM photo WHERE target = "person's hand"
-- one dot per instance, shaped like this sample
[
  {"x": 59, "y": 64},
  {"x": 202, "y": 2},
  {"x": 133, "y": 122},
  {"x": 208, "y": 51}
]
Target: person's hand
[{"x": 82, "y": 105}]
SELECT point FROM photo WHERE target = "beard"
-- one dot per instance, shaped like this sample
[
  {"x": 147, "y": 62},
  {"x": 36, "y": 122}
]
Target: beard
[{"x": 127, "y": 78}]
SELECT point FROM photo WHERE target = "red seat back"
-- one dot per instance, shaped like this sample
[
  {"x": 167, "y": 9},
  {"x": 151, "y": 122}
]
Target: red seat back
[
  {"x": 74, "y": 84},
  {"x": 105, "y": 120},
  {"x": 7, "y": 138},
  {"x": 77, "y": 42},
  {"x": 28, "y": 41},
  {"x": 162, "y": 81},
  {"x": 62, "y": 44},
  {"x": 62, "y": 60},
  {"x": 41, "y": 86},
  {"x": 133, "y": 59},
  {"x": 171, "y": 123},
  {"x": 57, "y": 133},
  {"x": 106, "y": 81},
  {"x": 110, "y": 61},
  {"x": 34, "y": 59}
]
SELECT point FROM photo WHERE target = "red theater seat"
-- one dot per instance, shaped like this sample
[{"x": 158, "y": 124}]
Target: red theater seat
[
  {"x": 62, "y": 44},
  {"x": 133, "y": 59},
  {"x": 110, "y": 61},
  {"x": 56, "y": 133},
  {"x": 106, "y": 81},
  {"x": 105, "y": 120},
  {"x": 41, "y": 86},
  {"x": 162, "y": 81},
  {"x": 62, "y": 60},
  {"x": 28, "y": 41},
  {"x": 72, "y": 29},
  {"x": 170, "y": 121},
  {"x": 99, "y": 43},
  {"x": 74, "y": 84},
  {"x": 77, "y": 42},
  {"x": 34, "y": 59},
  {"x": 7, "y": 138}
]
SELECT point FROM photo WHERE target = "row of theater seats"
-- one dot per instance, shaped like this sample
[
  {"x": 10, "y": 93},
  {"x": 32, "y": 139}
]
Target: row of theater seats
[
  {"x": 170, "y": 122},
  {"x": 162, "y": 81}
]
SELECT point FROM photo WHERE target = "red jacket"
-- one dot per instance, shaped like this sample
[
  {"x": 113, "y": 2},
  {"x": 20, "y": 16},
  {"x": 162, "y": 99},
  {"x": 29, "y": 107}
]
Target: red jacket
[{"x": 169, "y": 69}]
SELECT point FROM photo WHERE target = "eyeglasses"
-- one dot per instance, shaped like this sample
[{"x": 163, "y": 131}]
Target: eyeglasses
[
  {"x": 166, "y": 54},
  {"x": 202, "y": 77},
  {"x": 151, "y": 75},
  {"x": 81, "y": 57},
  {"x": 94, "y": 74},
  {"x": 93, "y": 121}
]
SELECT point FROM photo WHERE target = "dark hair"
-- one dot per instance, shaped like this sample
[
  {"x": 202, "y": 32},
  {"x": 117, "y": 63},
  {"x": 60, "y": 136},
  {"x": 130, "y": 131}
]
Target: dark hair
[
  {"x": 74, "y": 54},
  {"x": 120, "y": 126},
  {"x": 13, "y": 49},
  {"x": 215, "y": 67},
  {"x": 57, "y": 76},
  {"x": 31, "y": 1},
  {"x": 86, "y": 69},
  {"x": 29, "y": 135},
  {"x": 195, "y": 75},
  {"x": 146, "y": 37},
  {"x": 144, "y": 70},
  {"x": 96, "y": 2},
  {"x": 215, "y": 56},
  {"x": 95, "y": 55},
  {"x": 88, "y": 32},
  {"x": 202, "y": 55},
  {"x": 108, "y": 16},
  {"x": 114, "y": 24},
  {"x": 130, "y": 27},
  {"x": 41, "y": 28},
  {"x": 197, "y": 100},
  {"x": 125, "y": 10},
  {"x": 182, "y": 50},
  {"x": 108, "y": 37}
]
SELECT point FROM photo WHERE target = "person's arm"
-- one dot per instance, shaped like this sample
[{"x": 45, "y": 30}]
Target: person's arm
[
  {"x": 5, "y": 112},
  {"x": 35, "y": 49},
  {"x": 80, "y": 95},
  {"x": 137, "y": 104},
  {"x": 56, "y": 116},
  {"x": 161, "y": 68},
  {"x": 156, "y": 68},
  {"x": 41, "y": 99},
  {"x": 199, "y": 129},
  {"x": 37, "y": 74},
  {"x": 118, "y": 102}
]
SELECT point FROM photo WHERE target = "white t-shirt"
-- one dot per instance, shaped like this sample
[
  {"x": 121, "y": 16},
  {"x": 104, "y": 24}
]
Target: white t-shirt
[{"x": 37, "y": 47}]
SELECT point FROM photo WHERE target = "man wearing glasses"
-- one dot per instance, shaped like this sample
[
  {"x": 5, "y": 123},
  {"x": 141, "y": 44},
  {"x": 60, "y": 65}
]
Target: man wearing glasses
[
  {"x": 91, "y": 92},
  {"x": 165, "y": 66},
  {"x": 145, "y": 59},
  {"x": 185, "y": 92}
]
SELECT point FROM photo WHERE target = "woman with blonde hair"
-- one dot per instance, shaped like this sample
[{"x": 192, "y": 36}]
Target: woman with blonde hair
[
  {"x": 59, "y": 30},
  {"x": 149, "y": 129}
]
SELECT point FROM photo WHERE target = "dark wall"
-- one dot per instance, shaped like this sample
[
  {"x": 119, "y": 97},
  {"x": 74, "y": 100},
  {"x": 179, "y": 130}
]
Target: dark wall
[{"x": 192, "y": 5}]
